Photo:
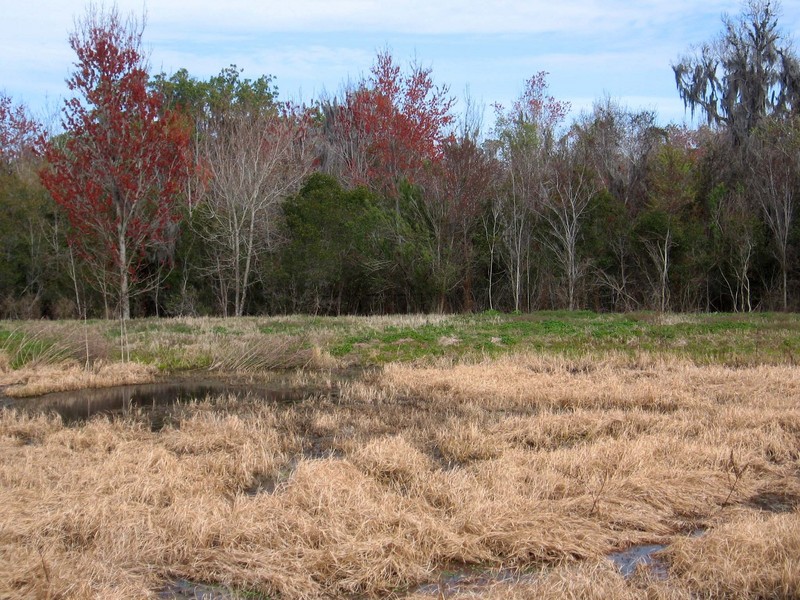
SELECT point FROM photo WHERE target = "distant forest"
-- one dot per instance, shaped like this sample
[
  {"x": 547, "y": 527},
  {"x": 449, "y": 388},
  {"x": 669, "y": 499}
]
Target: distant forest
[{"x": 167, "y": 195}]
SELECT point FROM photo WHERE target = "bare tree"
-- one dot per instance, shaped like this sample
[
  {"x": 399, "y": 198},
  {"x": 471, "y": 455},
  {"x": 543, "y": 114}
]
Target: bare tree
[
  {"x": 658, "y": 251},
  {"x": 775, "y": 169},
  {"x": 526, "y": 135},
  {"x": 570, "y": 188},
  {"x": 618, "y": 282},
  {"x": 516, "y": 221},
  {"x": 736, "y": 221},
  {"x": 254, "y": 160},
  {"x": 455, "y": 191},
  {"x": 490, "y": 220},
  {"x": 344, "y": 146},
  {"x": 618, "y": 144}
]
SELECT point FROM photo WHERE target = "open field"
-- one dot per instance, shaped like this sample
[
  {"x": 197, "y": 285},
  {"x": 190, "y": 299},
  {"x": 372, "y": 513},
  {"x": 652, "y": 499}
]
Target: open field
[
  {"x": 254, "y": 344},
  {"x": 493, "y": 456}
]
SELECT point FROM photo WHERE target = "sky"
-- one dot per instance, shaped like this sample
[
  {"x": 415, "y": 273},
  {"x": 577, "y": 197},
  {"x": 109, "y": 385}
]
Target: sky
[{"x": 592, "y": 49}]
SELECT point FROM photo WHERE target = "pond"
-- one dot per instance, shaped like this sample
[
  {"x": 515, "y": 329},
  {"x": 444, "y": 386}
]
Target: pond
[{"x": 157, "y": 400}]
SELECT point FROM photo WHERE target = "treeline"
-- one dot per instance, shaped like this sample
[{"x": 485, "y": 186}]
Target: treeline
[{"x": 171, "y": 195}]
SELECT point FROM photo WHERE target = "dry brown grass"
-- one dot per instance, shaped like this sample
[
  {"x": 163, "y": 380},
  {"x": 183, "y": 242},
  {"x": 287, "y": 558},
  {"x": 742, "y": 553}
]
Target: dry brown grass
[
  {"x": 544, "y": 465},
  {"x": 68, "y": 375},
  {"x": 751, "y": 555},
  {"x": 588, "y": 580},
  {"x": 227, "y": 346}
]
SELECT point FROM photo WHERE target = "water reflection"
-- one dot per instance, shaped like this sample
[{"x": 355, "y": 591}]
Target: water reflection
[
  {"x": 628, "y": 560},
  {"x": 79, "y": 405},
  {"x": 472, "y": 580}
]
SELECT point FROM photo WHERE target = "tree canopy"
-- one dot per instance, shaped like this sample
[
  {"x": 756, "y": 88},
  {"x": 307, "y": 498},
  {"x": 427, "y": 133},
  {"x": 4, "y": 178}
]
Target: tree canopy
[
  {"x": 119, "y": 172},
  {"x": 749, "y": 72},
  {"x": 178, "y": 195}
]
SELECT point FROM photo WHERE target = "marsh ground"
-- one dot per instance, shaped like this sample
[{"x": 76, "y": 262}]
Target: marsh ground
[{"x": 491, "y": 444}]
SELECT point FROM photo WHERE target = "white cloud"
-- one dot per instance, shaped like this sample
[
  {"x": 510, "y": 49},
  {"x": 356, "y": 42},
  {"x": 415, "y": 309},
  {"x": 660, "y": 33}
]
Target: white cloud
[{"x": 439, "y": 17}]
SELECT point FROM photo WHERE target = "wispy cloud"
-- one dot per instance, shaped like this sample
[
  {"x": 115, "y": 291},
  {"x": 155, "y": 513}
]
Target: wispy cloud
[
  {"x": 436, "y": 18},
  {"x": 590, "y": 47}
]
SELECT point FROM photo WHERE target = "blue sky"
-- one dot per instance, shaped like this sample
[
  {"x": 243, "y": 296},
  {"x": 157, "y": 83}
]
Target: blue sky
[{"x": 591, "y": 48}]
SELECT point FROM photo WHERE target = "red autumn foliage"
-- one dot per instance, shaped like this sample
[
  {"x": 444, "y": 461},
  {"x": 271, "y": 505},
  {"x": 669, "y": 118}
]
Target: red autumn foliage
[
  {"x": 395, "y": 124},
  {"x": 542, "y": 108},
  {"x": 535, "y": 107},
  {"x": 18, "y": 132},
  {"x": 119, "y": 171}
]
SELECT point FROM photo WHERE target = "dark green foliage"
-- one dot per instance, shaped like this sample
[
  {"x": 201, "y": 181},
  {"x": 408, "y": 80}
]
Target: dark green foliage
[
  {"x": 204, "y": 100},
  {"x": 19, "y": 225},
  {"x": 34, "y": 278},
  {"x": 333, "y": 255}
]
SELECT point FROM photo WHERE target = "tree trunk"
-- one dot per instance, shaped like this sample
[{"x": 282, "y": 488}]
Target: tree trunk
[
  {"x": 124, "y": 294},
  {"x": 785, "y": 286},
  {"x": 468, "y": 303},
  {"x": 665, "y": 273}
]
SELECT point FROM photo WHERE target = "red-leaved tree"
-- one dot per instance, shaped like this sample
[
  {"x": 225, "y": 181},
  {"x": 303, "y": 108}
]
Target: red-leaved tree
[
  {"x": 119, "y": 169},
  {"x": 390, "y": 126},
  {"x": 18, "y": 131}
]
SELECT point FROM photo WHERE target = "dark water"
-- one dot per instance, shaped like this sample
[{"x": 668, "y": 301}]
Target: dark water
[{"x": 156, "y": 399}]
